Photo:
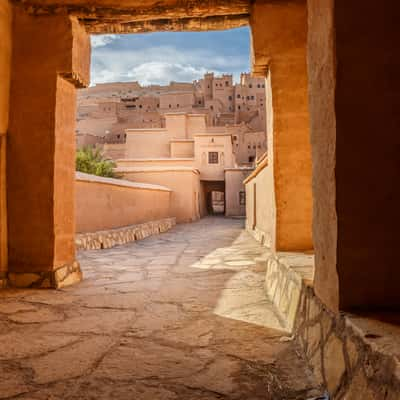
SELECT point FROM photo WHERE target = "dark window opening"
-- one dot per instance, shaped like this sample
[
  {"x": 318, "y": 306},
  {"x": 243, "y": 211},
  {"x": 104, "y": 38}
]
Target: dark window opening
[
  {"x": 213, "y": 157},
  {"x": 242, "y": 198}
]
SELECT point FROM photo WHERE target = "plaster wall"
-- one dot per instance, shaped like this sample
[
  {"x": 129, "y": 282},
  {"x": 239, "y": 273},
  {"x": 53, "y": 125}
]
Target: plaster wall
[
  {"x": 114, "y": 150},
  {"x": 260, "y": 207},
  {"x": 156, "y": 162},
  {"x": 222, "y": 144},
  {"x": 281, "y": 50},
  {"x": 195, "y": 124},
  {"x": 233, "y": 186},
  {"x": 176, "y": 101},
  {"x": 147, "y": 143},
  {"x": 5, "y": 69},
  {"x": 105, "y": 203},
  {"x": 356, "y": 199},
  {"x": 184, "y": 183},
  {"x": 51, "y": 54},
  {"x": 182, "y": 149},
  {"x": 176, "y": 125}
]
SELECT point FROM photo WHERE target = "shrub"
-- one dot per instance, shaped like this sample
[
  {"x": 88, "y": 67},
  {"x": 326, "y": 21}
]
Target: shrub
[{"x": 92, "y": 161}]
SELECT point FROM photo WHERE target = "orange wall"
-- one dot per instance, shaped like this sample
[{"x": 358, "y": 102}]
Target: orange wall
[
  {"x": 185, "y": 186},
  {"x": 5, "y": 65},
  {"x": 104, "y": 203}
]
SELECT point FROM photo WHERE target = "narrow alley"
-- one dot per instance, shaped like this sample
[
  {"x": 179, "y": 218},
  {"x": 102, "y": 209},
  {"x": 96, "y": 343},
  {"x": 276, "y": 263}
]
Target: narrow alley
[{"x": 182, "y": 315}]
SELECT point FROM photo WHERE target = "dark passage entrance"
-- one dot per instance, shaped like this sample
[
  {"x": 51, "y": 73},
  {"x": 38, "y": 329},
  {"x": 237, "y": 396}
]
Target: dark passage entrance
[{"x": 214, "y": 194}]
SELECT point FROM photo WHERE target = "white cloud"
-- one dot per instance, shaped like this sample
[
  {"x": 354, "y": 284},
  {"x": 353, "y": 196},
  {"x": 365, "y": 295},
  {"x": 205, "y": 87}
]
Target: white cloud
[
  {"x": 102, "y": 40},
  {"x": 156, "y": 64},
  {"x": 157, "y": 72}
]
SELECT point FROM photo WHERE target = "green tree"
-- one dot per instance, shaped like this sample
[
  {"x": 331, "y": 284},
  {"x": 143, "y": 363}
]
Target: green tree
[{"x": 92, "y": 161}]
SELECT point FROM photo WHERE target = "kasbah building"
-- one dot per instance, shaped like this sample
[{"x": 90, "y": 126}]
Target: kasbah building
[
  {"x": 308, "y": 311},
  {"x": 200, "y": 139}
]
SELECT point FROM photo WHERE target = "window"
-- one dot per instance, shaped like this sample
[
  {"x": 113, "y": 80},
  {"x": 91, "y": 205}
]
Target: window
[
  {"x": 252, "y": 97},
  {"x": 259, "y": 86},
  {"x": 247, "y": 97},
  {"x": 242, "y": 198},
  {"x": 118, "y": 136},
  {"x": 169, "y": 105},
  {"x": 226, "y": 83},
  {"x": 199, "y": 101},
  {"x": 238, "y": 96},
  {"x": 230, "y": 97},
  {"x": 238, "y": 107},
  {"x": 263, "y": 85},
  {"x": 140, "y": 106},
  {"x": 251, "y": 159},
  {"x": 177, "y": 106},
  {"x": 250, "y": 85},
  {"x": 213, "y": 157}
]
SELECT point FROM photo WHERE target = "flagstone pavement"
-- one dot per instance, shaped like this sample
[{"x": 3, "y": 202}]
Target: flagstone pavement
[{"x": 181, "y": 315}]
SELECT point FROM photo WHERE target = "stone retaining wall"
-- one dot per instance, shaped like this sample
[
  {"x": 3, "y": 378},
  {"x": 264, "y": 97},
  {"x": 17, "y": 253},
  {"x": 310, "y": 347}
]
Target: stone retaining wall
[
  {"x": 114, "y": 237},
  {"x": 354, "y": 357}
]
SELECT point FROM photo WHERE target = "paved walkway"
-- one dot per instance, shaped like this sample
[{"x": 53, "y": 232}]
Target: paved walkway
[{"x": 178, "y": 316}]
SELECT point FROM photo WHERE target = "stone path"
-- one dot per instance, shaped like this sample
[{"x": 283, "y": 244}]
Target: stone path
[{"x": 178, "y": 316}]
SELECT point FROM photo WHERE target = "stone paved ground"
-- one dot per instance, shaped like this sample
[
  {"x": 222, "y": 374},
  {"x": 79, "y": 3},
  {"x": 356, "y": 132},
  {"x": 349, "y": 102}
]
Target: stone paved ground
[{"x": 178, "y": 316}]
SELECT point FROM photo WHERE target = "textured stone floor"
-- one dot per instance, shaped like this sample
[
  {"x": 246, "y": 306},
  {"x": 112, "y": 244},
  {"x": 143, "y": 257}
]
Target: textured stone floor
[{"x": 178, "y": 316}]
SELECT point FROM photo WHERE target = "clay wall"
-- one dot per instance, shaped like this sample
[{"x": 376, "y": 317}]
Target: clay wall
[
  {"x": 281, "y": 52},
  {"x": 356, "y": 215},
  {"x": 182, "y": 148},
  {"x": 176, "y": 101},
  {"x": 221, "y": 144},
  {"x": 196, "y": 123},
  {"x": 5, "y": 68},
  {"x": 260, "y": 204},
  {"x": 159, "y": 162},
  {"x": 235, "y": 203},
  {"x": 105, "y": 203},
  {"x": 176, "y": 125},
  {"x": 183, "y": 181},
  {"x": 114, "y": 151},
  {"x": 147, "y": 143}
]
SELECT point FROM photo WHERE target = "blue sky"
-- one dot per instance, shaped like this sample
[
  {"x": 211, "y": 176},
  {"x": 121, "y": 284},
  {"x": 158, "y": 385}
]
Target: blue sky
[{"x": 158, "y": 58}]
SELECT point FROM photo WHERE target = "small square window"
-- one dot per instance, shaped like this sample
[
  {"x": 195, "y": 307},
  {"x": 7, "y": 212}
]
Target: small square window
[{"x": 213, "y": 157}]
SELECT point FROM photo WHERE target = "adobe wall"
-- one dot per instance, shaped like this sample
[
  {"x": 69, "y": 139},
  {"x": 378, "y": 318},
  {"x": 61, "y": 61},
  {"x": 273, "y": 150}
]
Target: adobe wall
[
  {"x": 147, "y": 143},
  {"x": 106, "y": 203},
  {"x": 279, "y": 33},
  {"x": 155, "y": 162},
  {"x": 183, "y": 181},
  {"x": 182, "y": 149},
  {"x": 354, "y": 98},
  {"x": 114, "y": 150},
  {"x": 233, "y": 186},
  {"x": 5, "y": 68},
  {"x": 260, "y": 204},
  {"x": 222, "y": 144}
]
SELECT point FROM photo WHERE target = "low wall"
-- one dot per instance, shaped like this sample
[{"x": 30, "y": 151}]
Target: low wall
[
  {"x": 105, "y": 203},
  {"x": 356, "y": 357},
  {"x": 114, "y": 237}
]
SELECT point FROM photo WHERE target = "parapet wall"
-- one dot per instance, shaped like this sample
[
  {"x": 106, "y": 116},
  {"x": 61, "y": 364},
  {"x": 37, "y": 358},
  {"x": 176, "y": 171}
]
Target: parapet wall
[
  {"x": 114, "y": 237},
  {"x": 356, "y": 357},
  {"x": 105, "y": 203}
]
